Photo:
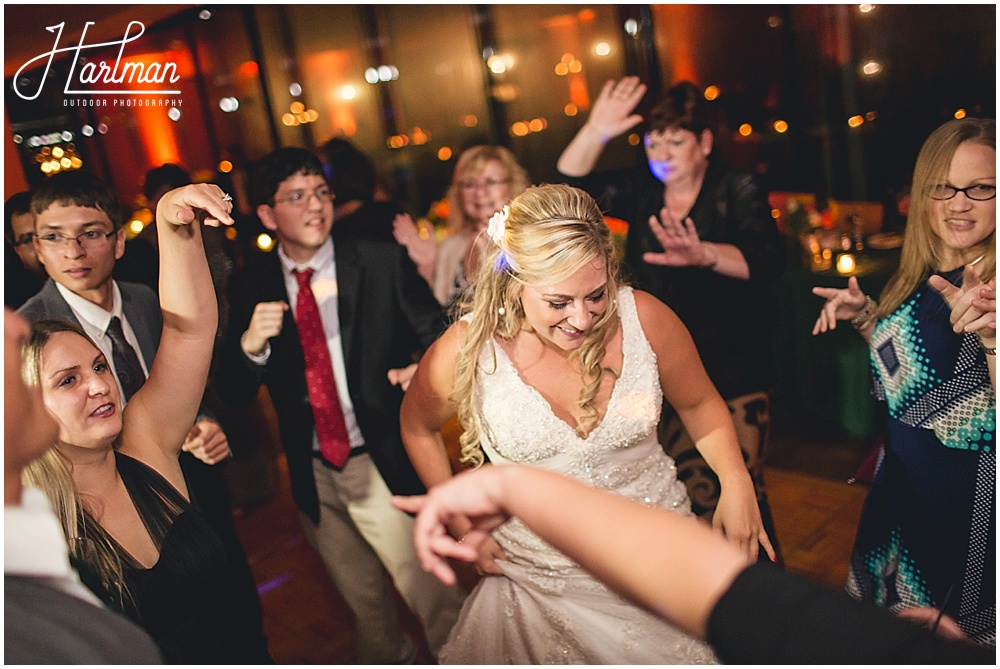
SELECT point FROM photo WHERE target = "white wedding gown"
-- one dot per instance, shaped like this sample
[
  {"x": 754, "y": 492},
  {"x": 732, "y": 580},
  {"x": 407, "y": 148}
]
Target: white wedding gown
[{"x": 545, "y": 609}]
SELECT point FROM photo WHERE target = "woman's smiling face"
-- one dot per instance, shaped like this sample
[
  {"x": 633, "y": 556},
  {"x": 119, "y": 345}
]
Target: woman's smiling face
[
  {"x": 562, "y": 313},
  {"x": 962, "y": 223}
]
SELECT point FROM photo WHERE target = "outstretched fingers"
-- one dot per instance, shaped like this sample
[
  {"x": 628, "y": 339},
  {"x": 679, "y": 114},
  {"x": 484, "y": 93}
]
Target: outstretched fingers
[{"x": 431, "y": 540}]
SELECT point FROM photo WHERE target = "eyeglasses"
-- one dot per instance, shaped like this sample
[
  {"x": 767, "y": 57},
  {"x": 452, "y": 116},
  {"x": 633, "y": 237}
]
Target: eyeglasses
[
  {"x": 24, "y": 239},
  {"x": 300, "y": 198},
  {"x": 488, "y": 184},
  {"x": 88, "y": 240},
  {"x": 978, "y": 192}
]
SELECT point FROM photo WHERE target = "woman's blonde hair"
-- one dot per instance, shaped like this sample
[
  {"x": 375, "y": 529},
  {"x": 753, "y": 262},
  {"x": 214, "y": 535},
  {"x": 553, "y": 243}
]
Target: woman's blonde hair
[
  {"x": 52, "y": 474},
  {"x": 469, "y": 166},
  {"x": 923, "y": 252},
  {"x": 551, "y": 232}
]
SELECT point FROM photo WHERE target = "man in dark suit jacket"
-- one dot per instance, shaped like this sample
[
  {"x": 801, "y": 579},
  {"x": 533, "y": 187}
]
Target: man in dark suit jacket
[
  {"x": 49, "y": 616},
  {"x": 78, "y": 238},
  {"x": 375, "y": 313}
]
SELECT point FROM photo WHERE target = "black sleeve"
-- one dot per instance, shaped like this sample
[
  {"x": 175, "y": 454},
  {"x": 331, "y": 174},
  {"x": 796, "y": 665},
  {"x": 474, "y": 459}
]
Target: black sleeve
[
  {"x": 769, "y": 616},
  {"x": 756, "y": 233}
]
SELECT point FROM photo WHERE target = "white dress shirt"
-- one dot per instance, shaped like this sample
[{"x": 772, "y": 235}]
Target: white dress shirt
[
  {"x": 95, "y": 321},
  {"x": 34, "y": 545}
]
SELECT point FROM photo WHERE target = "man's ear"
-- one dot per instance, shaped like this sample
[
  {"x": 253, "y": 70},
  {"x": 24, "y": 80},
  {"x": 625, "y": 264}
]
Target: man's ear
[
  {"x": 120, "y": 243},
  {"x": 266, "y": 216},
  {"x": 706, "y": 140}
]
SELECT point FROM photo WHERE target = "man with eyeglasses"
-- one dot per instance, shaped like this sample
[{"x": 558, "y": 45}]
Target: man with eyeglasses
[
  {"x": 328, "y": 321},
  {"x": 78, "y": 237},
  {"x": 23, "y": 274}
]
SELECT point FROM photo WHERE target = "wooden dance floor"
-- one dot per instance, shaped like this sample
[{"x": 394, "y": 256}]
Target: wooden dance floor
[{"x": 307, "y": 622}]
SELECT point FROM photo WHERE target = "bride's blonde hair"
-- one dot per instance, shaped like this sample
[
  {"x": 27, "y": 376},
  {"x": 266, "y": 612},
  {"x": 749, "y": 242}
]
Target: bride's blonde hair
[{"x": 551, "y": 232}]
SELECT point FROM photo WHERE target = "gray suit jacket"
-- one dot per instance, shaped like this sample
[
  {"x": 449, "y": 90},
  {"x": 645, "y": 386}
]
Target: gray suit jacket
[
  {"x": 44, "y": 625},
  {"x": 139, "y": 304}
]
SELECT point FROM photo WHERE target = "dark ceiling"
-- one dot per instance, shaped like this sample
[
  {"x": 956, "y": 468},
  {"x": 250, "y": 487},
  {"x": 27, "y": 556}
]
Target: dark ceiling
[{"x": 25, "y": 34}]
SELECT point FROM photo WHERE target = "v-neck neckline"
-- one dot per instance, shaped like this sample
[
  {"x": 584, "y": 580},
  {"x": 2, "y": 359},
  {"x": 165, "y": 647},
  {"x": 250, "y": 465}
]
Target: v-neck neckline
[{"x": 548, "y": 406}]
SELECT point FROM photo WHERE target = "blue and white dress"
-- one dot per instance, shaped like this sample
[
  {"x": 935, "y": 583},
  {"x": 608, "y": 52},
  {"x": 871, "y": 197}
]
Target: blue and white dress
[{"x": 927, "y": 535}]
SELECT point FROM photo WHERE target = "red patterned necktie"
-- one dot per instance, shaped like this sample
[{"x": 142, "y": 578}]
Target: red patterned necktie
[{"x": 334, "y": 443}]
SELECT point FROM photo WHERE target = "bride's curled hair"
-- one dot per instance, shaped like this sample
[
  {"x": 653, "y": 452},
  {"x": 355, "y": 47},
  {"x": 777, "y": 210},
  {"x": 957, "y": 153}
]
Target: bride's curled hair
[{"x": 550, "y": 233}]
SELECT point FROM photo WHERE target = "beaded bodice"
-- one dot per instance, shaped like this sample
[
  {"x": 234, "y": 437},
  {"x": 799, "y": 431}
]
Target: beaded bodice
[{"x": 621, "y": 454}]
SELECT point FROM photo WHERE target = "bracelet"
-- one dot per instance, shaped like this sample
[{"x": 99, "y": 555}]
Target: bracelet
[
  {"x": 860, "y": 322},
  {"x": 986, "y": 349}
]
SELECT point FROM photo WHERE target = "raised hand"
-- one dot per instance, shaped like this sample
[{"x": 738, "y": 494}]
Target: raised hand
[
  {"x": 680, "y": 242},
  {"x": 182, "y": 206},
  {"x": 612, "y": 114},
  {"x": 841, "y": 304},
  {"x": 421, "y": 251},
  {"x": 265, "y": 323},
  {"x": 973, "y": 305}
]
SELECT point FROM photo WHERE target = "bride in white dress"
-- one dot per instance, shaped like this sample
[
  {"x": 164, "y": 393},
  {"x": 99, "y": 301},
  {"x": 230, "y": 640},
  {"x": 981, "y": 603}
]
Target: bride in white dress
[{"x": 556, "y": 366}]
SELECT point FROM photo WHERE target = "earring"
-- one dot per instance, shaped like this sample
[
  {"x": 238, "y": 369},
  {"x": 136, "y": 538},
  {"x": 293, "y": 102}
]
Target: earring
[{"x": 501, "y": 311}]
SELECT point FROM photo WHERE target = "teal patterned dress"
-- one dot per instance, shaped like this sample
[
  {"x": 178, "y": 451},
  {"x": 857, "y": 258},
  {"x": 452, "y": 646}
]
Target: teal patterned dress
[{"x": 927, "y": 535}]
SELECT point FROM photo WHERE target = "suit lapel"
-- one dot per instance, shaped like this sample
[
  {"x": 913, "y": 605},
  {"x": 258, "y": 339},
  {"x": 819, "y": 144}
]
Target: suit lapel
[{"x": 55, "y": 304}]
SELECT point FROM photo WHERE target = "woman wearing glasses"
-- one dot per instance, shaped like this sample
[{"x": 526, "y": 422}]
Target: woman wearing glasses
[
  {"x": 485, "y": 179},
  {"x": 927, "y": 539}
]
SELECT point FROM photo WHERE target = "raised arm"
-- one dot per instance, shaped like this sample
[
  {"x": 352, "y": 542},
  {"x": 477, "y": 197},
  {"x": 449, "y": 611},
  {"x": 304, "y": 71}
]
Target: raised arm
[
  {"x": 611, "y": 116},
  {"x": 160, "y": 415},
  {"x": 706, "y": 417}
]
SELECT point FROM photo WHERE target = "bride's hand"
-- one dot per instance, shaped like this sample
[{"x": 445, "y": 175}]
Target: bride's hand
[
  {"x": 738, "y": 516},
  {"x": 489, "y": 553}
]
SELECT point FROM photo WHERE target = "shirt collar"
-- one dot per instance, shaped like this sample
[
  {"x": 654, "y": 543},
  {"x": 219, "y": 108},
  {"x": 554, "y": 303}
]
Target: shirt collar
[
  {"x": 93, "y": 314},
  {"x": 322, "y": 259}
]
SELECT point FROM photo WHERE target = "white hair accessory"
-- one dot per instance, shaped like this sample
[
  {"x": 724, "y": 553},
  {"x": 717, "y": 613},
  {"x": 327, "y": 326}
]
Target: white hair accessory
[{"x": 498, "y": 225}]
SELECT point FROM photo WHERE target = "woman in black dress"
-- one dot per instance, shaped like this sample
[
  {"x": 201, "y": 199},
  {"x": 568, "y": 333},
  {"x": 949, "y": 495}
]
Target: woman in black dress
[{"x": 113, "y": 476}]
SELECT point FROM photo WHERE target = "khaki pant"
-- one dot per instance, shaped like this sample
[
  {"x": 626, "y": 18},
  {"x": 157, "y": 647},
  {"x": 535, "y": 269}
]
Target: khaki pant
[{"x": 359, "y": 533}]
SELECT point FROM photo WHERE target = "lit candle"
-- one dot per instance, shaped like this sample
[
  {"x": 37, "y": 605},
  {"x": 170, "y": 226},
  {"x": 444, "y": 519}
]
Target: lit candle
[{"x": 845, "y": 263}]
